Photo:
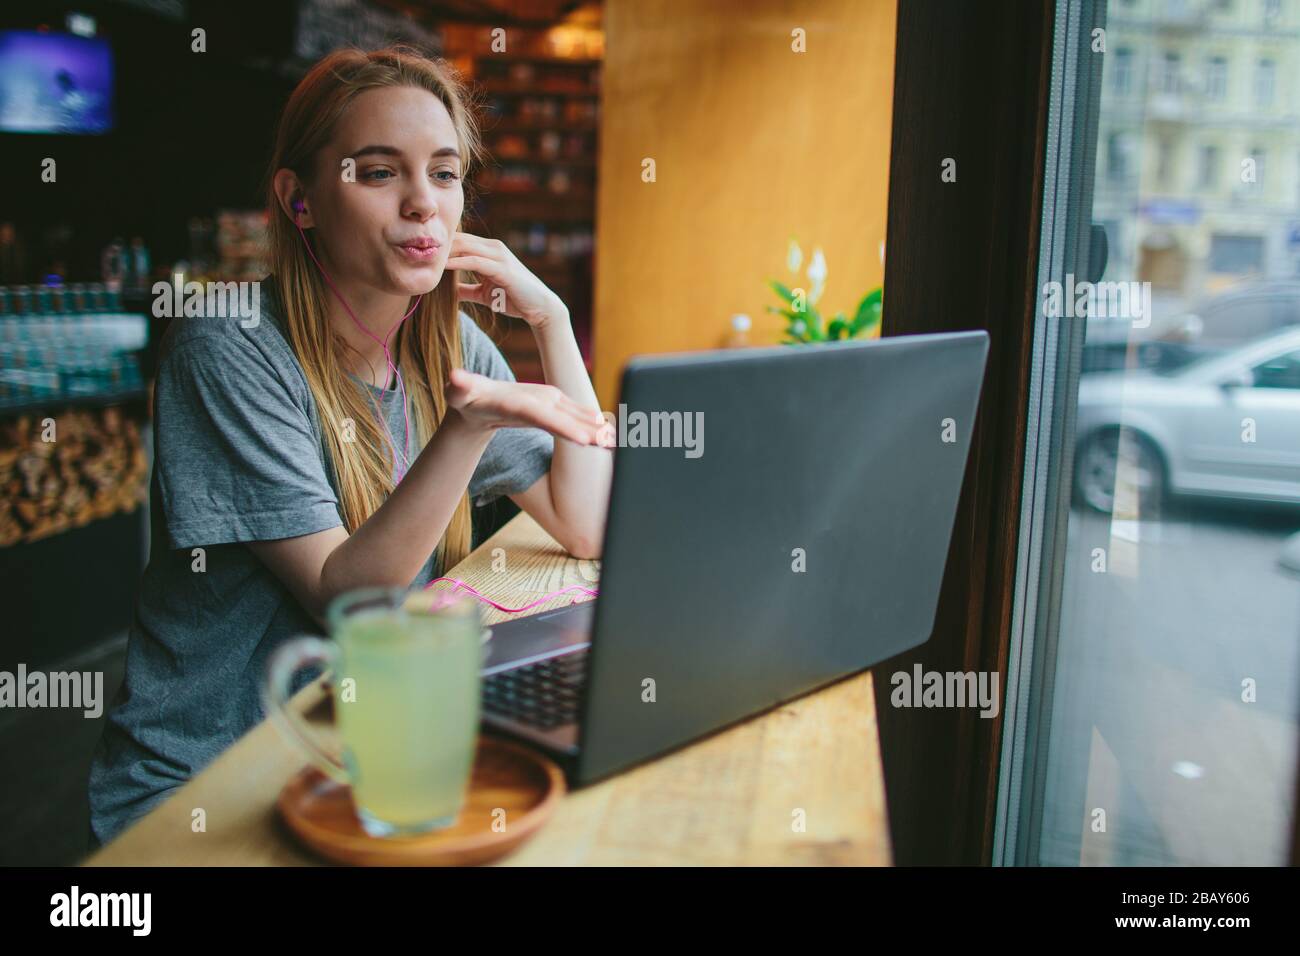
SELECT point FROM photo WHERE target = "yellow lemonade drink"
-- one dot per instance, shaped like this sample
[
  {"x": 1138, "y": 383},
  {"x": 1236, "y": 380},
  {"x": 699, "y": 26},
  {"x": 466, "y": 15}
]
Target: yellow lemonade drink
[{"x": 407, "y": 704}]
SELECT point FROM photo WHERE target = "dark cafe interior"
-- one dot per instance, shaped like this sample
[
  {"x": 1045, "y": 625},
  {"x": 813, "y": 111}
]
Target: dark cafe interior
[{"x": 459, "y": 432}]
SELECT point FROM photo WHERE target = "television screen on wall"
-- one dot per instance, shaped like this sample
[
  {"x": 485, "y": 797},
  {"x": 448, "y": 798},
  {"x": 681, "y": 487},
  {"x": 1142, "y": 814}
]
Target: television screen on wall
[{"x": 55, "y": 83}]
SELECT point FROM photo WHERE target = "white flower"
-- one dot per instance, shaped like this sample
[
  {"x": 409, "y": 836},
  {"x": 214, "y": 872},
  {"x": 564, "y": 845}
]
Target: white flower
[
  {"x": 798, "y": 327},
  {"x": 794, "y": 256},
  {"x": 817, "y": 273}
]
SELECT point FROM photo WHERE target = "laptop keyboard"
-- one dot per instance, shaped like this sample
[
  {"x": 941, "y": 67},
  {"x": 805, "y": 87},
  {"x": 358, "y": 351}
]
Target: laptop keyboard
[{"x": 544, "y": 694}]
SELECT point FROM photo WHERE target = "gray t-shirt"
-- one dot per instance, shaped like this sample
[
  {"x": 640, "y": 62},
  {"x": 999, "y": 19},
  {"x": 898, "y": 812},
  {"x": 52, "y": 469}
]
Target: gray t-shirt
[{"x": 238, "y": 456}]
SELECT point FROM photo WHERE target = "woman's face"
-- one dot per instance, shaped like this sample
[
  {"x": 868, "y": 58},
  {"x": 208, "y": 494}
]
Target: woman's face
[{"x": 388, "y": 223}]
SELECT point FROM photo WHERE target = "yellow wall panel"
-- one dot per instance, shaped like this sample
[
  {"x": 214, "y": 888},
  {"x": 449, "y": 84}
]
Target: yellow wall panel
[{"x": 753, "y": 144}]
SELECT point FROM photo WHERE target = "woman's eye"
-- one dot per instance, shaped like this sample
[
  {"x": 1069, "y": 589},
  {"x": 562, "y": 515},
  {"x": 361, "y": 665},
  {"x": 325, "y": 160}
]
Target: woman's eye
[
  {"x": 377, "y": 174},
  {"x": 451, "y": 177}
]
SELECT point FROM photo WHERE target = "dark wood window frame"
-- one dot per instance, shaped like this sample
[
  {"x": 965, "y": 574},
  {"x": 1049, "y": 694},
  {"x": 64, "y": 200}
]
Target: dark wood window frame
[{"x": 971, "y": 84}]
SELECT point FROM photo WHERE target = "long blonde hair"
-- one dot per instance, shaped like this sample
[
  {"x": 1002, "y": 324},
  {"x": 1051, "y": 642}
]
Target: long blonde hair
[{"x": 427, "y": 345}]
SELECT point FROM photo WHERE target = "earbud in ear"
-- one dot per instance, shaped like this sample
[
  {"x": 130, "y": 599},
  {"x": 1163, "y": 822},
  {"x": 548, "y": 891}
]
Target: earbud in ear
[{"x": 298, "y": 207}]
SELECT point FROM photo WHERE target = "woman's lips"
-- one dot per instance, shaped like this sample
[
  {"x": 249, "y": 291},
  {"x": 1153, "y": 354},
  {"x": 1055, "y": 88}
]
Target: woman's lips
[{"x": 422, "y": 250}]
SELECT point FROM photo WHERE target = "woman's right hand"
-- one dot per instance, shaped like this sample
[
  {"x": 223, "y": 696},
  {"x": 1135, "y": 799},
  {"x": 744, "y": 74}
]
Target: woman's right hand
[{"x": 490, "y": 403}]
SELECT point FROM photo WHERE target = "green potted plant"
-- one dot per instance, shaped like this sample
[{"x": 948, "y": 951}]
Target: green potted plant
[{"x": 804, "y": 321}]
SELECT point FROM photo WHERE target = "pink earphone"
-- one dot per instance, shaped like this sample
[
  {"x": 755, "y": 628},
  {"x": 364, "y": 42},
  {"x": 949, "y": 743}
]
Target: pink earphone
[{"x": 399, "y": 468}]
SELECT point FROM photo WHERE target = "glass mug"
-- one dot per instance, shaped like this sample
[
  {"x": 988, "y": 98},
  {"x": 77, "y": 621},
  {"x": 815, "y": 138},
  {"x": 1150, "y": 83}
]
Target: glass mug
[{"x": 406, "y": 691}]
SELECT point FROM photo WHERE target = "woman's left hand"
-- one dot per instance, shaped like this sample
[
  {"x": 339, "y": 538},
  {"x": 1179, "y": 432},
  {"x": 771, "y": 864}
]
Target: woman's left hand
[{"x": 505, "y": 284}]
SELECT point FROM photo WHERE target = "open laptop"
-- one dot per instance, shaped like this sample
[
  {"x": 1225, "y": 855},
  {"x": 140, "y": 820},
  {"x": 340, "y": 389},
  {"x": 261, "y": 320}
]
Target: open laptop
[{"x": 799, "y": 538}]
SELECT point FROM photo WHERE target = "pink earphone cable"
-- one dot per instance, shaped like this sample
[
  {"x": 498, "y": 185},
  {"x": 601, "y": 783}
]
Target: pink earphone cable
[
  {"x": 509, "y": 610},
  {"x": 401, "y": 467}
]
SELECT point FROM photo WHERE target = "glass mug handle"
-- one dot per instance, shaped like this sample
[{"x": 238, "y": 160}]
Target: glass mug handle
[{"x": 287, "y": 659}]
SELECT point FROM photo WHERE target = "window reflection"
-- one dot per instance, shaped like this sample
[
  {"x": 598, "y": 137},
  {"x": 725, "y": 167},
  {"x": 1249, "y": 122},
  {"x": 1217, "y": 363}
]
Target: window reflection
[{"x": 1175, "y": 701}]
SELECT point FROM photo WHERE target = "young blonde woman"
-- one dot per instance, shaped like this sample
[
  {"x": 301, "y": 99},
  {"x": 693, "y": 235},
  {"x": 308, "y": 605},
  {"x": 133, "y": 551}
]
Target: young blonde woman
[{"x": 342, "y": 440}]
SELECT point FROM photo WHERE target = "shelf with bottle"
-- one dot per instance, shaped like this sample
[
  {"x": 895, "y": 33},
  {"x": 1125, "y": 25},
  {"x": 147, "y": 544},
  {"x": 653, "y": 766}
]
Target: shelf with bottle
[
  {"x": 539, "y": 207},
  {"x": 553, "y": 269},
  {"x": 567, "y": 194},
  {"x": 59, "y": 297},
  {"x": 540, "y": 108},
  {"x": 39, "y": 378},
  {"x": 541, "y": 242},
  {"x": 530, "y": 75},
  {"x": 510, "y": 89},
  {"x": 513, "y": 155},
  {"x": 506, "y": 125},
  {"x": 48, "y": 403},
  {"x": 541, "y": 145},
  {"x": 64, "y": 345},
  {"x": 542, "y": 59}
]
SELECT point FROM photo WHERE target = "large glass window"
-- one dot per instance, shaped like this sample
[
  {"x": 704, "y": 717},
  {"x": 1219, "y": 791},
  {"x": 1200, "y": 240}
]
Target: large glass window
[
  {"x": 1119, "y": 159},
  {"x": 1280, "y": 372},
  {"x": 1253, "y": 174},
  {"x": 1265, "y": 80},
  {"x": 1170, "y": 65},
  {"x": 1165, "y": 162},
  {"x": 1209, "y": 171},
  {"x": 1216, "y": 79},
  {"x": 1154, "y": 683},
  {"x": 1236, "y": 254},
  {"x": 1122, "y": 78}
]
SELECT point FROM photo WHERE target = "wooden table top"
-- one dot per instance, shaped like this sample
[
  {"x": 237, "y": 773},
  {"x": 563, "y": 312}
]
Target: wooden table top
[{"x": 734, "y": 798}]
